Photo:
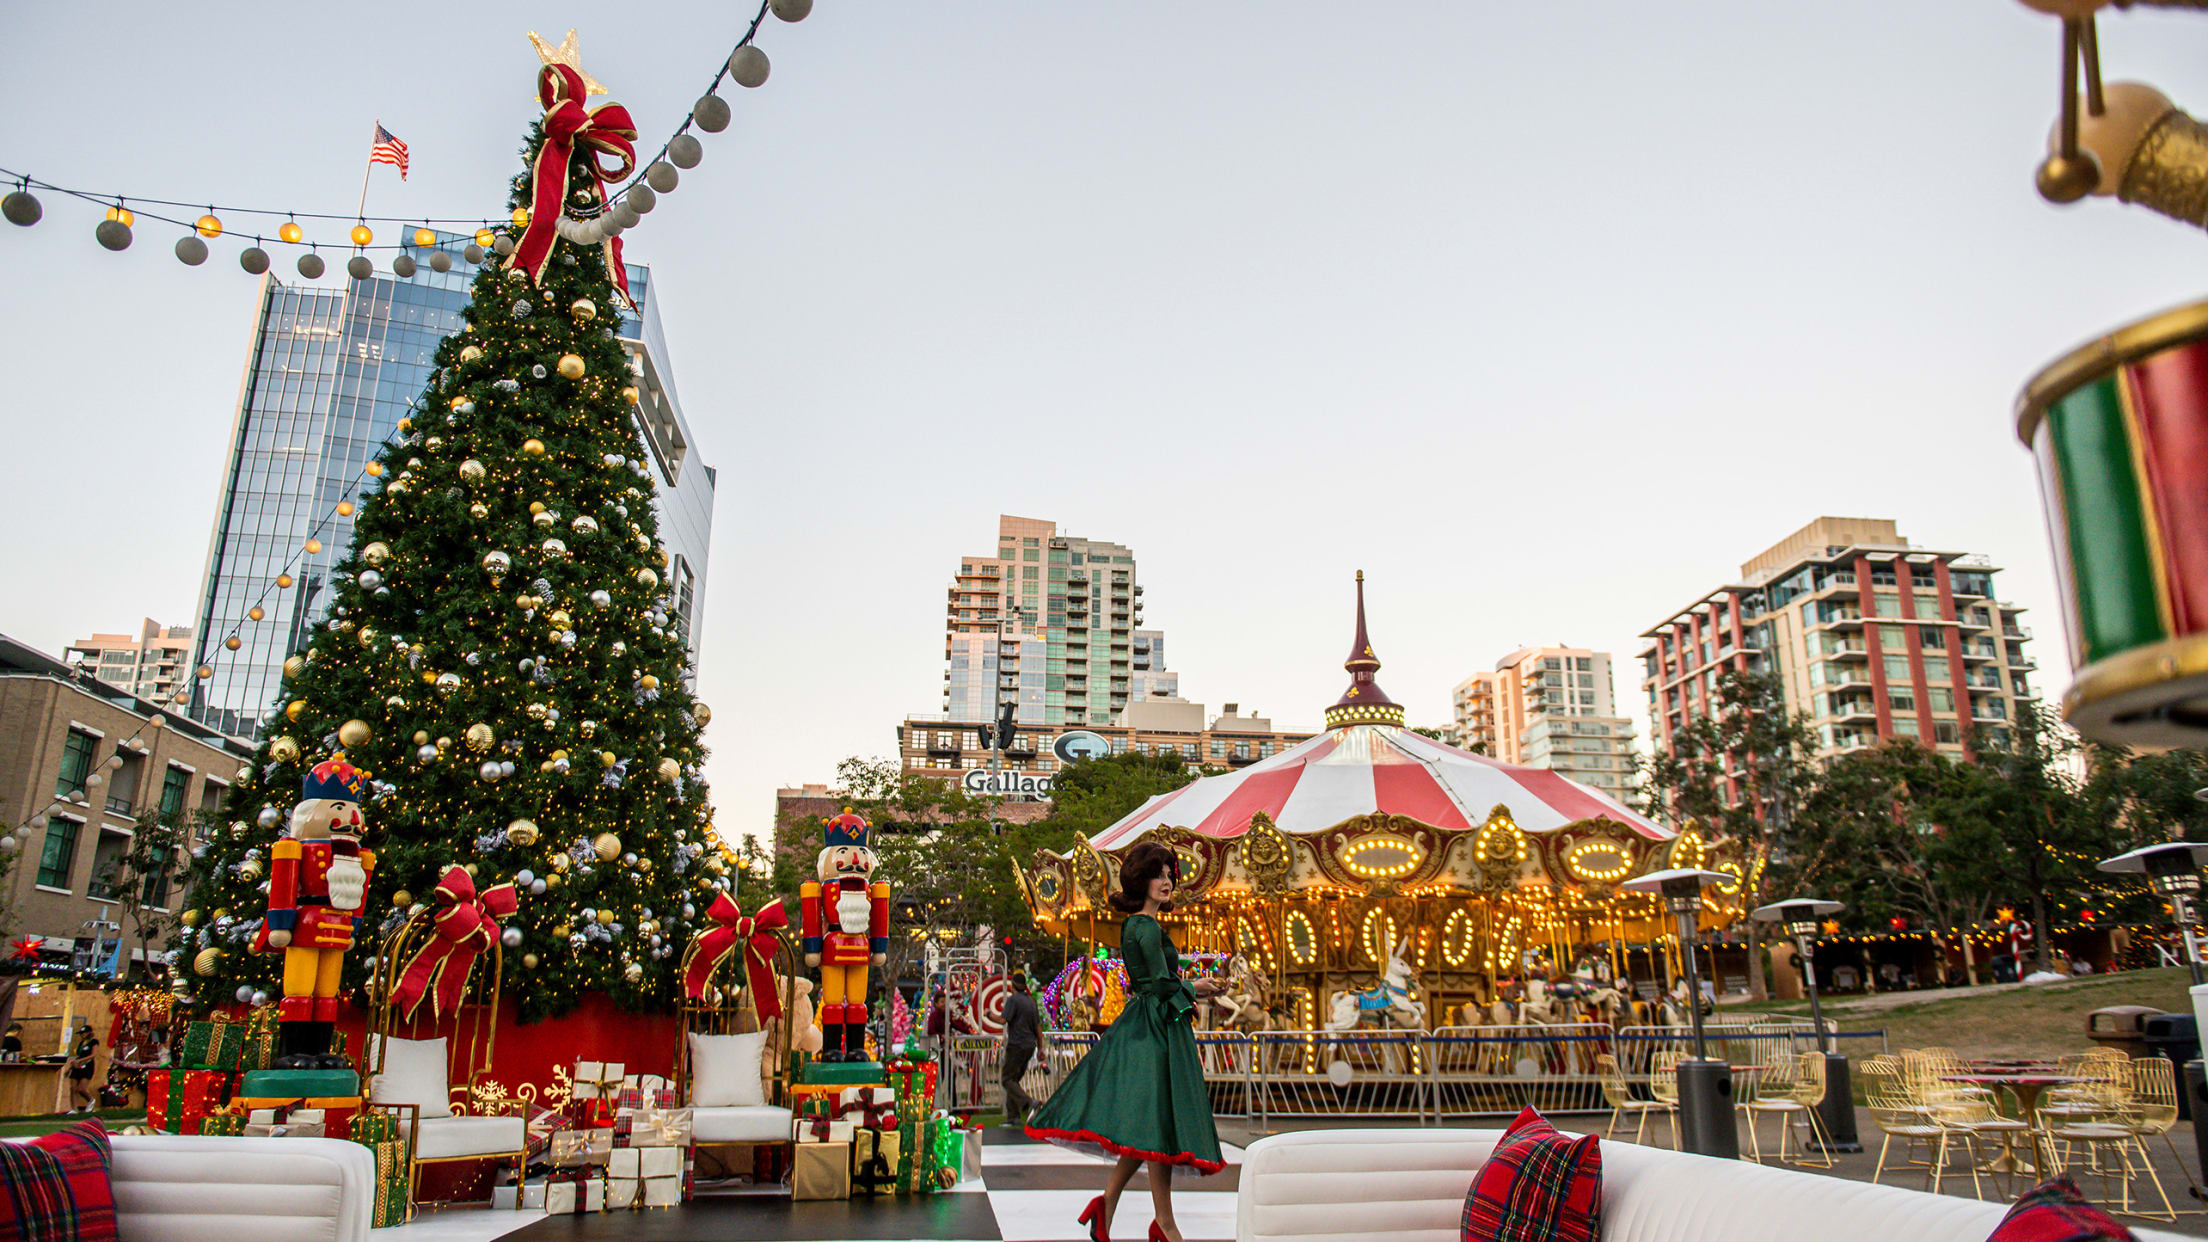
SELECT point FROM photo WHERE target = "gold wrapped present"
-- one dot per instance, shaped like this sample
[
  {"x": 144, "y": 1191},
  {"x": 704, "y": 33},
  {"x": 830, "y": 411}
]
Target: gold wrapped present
[
  {"x": 822, "y": 1171},
  {"x": 578, "y": 1147},
  {"x": 659, "y": 1127}
]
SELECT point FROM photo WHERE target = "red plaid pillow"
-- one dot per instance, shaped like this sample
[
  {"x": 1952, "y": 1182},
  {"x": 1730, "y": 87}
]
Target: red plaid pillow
[
  {"x": 56, "y": 1187},
  {"x": 1539, "y": 1186},
  {"x": 2054, "y": 1211}
]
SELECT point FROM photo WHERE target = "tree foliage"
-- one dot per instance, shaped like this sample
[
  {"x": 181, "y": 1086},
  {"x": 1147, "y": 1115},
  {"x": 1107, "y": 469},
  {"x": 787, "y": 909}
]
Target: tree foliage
[{"x": 505, "y": 602}]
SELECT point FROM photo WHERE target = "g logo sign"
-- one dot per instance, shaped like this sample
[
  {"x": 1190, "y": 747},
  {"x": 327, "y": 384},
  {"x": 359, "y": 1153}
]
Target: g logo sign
[{"x": 1080, "y": 744}]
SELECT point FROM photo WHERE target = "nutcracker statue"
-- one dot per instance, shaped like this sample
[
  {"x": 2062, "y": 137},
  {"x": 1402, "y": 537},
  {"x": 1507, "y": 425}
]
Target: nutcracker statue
[
  {"x": 846, "y": 923},
  {"x": 317, "y": 885}
]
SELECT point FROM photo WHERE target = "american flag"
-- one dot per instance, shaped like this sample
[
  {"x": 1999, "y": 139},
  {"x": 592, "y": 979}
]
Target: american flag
[{"x": 388, "y": 150}]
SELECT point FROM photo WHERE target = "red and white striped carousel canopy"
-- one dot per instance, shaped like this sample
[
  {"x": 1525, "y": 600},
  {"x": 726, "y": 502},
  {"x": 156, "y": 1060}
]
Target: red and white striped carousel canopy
[{"x": 1363, "y": 769}]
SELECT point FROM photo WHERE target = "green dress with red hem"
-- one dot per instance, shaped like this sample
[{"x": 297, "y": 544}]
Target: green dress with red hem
[{"x": 1140, "y": 1092}]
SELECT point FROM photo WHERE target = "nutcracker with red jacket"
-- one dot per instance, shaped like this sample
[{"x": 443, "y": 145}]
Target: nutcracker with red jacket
[
  {"x": 845, "y": 917},
  {"x": 317, "y": 887}
]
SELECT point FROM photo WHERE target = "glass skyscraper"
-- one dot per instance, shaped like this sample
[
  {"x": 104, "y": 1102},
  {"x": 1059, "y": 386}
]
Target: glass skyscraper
[{"x": 331, "y": 374}]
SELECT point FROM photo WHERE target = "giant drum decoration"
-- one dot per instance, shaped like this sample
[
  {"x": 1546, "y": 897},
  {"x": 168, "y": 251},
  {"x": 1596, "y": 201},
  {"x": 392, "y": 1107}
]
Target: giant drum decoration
[{"x": 2119, "y": 431}]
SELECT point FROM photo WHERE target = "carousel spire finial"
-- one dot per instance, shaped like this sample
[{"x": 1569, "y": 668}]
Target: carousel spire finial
[{"x": 1364, "y": 702}]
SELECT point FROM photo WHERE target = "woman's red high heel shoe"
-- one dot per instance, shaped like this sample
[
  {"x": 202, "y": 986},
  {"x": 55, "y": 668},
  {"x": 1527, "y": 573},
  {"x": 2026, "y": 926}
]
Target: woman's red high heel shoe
[
  {"x": 1157, "y": 1234},
  {"x": 1093, "y": 1217}
]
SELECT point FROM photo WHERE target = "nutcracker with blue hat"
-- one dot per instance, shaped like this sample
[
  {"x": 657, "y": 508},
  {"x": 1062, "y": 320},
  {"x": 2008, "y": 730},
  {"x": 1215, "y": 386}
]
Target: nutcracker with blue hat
[
  {"x": 317, "y": 892},
  {"x": 845, "y": 913}
]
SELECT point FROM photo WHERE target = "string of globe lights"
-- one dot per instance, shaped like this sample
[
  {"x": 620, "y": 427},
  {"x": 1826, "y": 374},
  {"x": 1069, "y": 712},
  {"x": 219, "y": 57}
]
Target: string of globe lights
[{"x": 623, "y": 210}]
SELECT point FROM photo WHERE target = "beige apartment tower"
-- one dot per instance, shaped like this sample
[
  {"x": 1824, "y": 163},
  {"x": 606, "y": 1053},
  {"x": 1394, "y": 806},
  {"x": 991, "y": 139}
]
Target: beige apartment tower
[
  {"x": 150, "y": 664},
  {"x": 1871, "y": 637},
  {"x": 1549, "y": 707}
]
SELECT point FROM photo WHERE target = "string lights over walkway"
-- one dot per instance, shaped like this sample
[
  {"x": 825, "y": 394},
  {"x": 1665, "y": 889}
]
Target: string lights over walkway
[{"x": 745, "y": 64}]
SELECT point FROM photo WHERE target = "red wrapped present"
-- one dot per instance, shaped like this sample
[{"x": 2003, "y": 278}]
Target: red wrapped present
[
  {"x": 179, "y": 1101},
  {"x": 645, "y": 1097}
]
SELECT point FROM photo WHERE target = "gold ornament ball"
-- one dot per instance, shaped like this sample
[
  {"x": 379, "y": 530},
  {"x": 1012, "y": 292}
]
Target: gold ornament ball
[
  {"x": 367, "y": 636},
  {"x": 190, "y": 918},
  {"x": 648, "y": 681},
  {"x": 255, "y": 613},
  {"x": 284, "y": 750},
  {"x": 521, "y": 832},
  {"x": 294, "y": 708},
  {"x": 362, "y": 235},
  {"x": 209, "y": 225},
  {"x": 221, "y": 913},
  {"x": 669, "y": 769},
  {"x": 583, "y": 309},
  {"x": 290, "y": 231},
  {"x": 521, "y": 217},
  {"x": 535, "y": 507},
  {"x": 344, "y": 509},
  {"x": 294, "y": 665},
  {"x": 421, "y": 737},
  {"x": 231, "y": 642},
  {"x": 608, "y": 846},
  {"x": 401, "y": 900},
  {"x": 607, "y": 758},
  {"x": 284, "y": 581},
  {"x": 374, "y": 469},
  {"x": 529, "y": 961},
  {"x": 633, "y": 972},
  {"x": 250, "y": 869},
  {"x": 425, "y": 238},
  {"x": 532, "y": 447},
  {"x": 480, "y": 737},
  {"x": 479, "y": 511},
  {"x": 647, "y": 577},
  {"x": 630, "y": 396},
  {"x": 555, "y": 879},
  {"x": 472, "y": 470},
  {"x": 701, "y": 713},
  {"x": 205, "y": 962},
  {"x": 559, "y": 862},
  {"x": 469, "y": 353},
  {"x": 406, "y": 424},
  {"x": 605, "y": 915},
  {"x": 313, "y": 546},
  {"x": 571, "y": 366},
  {"x": 353, "y": 732},
  {"x": 484, "y": 237}
]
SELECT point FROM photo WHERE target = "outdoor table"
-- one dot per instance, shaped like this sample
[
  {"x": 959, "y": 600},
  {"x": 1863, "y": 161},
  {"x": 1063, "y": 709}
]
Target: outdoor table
[{"x": 2027, "y": 1088}]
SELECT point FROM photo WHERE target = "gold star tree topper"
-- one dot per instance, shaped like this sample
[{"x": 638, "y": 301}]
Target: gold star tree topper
[{"x": 568, "y": 53}]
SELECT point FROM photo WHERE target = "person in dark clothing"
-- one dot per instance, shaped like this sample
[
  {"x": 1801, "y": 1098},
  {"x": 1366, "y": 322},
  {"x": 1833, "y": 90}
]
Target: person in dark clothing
[
  {"x": 1023, "y": 1033},
  {"x": 80, "y": 1069}
]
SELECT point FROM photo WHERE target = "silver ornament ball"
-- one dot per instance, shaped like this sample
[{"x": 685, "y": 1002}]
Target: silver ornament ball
[
  {"x": 641, "y": 197},
  {"x": 504, "y": 245},
  {"x": 511, "y": 937},
  {"x": 245, "y": 994},
  {"x": 473, "y": 254},
  {"x": 439, "y": 261},
  {"x": 310, "y": 265},
  {"x": 792, "y": 10},
  {"x": 661, "y": 176},
  {"x": 491, "y": 770}
]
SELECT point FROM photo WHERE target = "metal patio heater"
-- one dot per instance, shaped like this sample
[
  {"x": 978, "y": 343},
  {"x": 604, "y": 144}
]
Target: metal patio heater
[
  {"x": 1705, "y": 1084},
  {"x": 1799, "y": 918}
]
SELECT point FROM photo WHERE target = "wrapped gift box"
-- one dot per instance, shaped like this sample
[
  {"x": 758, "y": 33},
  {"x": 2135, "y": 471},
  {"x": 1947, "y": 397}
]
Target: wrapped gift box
[
  {"x": 338, "y": 1114},
  {"x": 390, "y": 1157},
  {"x": 258, "y": 1051},
  {"x": 823, "y": 1130},
  {"x": 224, "y": 1124},
  {"x": 646, "y": 1095},
  {"x": 180, "y": 1101},
  {"x": 528, "y": 1195},
  {"x": 874, "y": 1159},
  {"x": 569, "y": 1198},
  {"x": 598, "y": 1080},
  {"x": 215, "y": 1045},
  {"x": 390, "y": 1202},
  {"x": 571, "y": 1148},
  {"x": 374, "y": 1127},
  {"x": 662, "y": 1191},
  {"x": 659, "y": 1127},
  {"x": 823, "y": 1171},
  {"x": 871, "y": 1107}
]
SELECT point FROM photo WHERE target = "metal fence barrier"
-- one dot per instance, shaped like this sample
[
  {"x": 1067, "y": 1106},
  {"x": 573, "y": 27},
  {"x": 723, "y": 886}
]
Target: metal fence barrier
[{"x": 1423, "y": 1076}]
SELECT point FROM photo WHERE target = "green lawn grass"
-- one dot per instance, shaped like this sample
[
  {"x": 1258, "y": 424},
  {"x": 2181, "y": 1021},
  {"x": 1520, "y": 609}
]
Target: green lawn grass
[
  {"x": 2044, "y": 1019},
  {"x": 32, "y": 1127}
]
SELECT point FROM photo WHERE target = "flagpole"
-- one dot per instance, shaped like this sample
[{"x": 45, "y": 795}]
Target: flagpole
[{"x": 360, "y": 213}]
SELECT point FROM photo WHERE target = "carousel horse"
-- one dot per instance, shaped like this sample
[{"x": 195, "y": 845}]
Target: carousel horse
[
  {"x": 1390, "y": 1001},
  {"x": 1242, "y": 1005}
]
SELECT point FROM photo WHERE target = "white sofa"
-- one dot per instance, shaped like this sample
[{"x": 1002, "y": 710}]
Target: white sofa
[
  {"x": 184, "y": 1188},
  {"x": 1409, "y": 1186}
]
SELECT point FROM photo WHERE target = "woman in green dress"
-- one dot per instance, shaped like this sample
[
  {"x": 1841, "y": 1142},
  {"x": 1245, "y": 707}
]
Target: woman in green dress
[{"x": 1140, "y": 1095}]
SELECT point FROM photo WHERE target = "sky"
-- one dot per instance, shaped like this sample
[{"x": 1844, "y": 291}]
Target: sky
[{"x": 1546, "y": 316}]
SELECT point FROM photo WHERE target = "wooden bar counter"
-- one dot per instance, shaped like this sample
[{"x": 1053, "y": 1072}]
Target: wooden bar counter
[{"x": 28, "y": 1088}]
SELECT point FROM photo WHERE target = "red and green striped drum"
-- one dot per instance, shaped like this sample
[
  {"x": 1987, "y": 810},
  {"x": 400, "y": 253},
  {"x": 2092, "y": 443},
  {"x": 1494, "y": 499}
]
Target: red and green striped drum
[{"x": 2119, "y": 430}]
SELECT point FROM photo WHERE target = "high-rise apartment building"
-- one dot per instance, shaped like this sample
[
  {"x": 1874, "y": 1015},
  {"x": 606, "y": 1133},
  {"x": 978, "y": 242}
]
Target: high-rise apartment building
[
  {"x": 1870, "y": 636},
  {"x": 1049, "y": 623},
  {"x": 155, "y": 663},
  {"x": 330, "y": 375},
  {"x": 1549, "y": 707}
]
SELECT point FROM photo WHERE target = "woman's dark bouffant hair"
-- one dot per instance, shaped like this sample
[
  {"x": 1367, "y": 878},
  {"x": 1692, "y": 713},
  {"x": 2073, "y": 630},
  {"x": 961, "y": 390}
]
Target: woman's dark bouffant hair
[{"x": 1145, "y": 862}]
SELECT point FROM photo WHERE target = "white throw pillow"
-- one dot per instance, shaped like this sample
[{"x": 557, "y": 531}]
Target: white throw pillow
[
  {"x": 724, "y": 1071},
  {"x": 414, "y": 1072}
]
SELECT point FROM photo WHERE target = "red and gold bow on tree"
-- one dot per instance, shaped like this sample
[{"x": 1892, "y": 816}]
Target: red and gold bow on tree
[
  {"x": 757, "y": 934},
  {"x": 466, "y": 923},
  {"x": 600, "y": 131}
]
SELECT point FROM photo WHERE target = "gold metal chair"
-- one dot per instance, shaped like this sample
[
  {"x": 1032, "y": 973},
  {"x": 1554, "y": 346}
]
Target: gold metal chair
[
  {"x": 2152, "y": 1112},
  {"x": 1663, "y": 1085},
  {"x": 1898, "y": 1113},
  {"x": 1619, "y": 1093},
  {"x": 484, "y": 1121},
  {"x": 2109, "y": 1139},
  {"x": 1794, "y": 1101}
]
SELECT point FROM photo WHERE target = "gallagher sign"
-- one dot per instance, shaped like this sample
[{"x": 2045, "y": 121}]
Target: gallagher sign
[
  {"x": 1080, "y": 744},
  {"x": 1008, "y": 784}
]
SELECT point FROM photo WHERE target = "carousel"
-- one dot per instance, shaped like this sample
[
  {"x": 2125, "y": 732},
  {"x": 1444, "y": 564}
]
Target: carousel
[{"x": 1372, "y": 875}]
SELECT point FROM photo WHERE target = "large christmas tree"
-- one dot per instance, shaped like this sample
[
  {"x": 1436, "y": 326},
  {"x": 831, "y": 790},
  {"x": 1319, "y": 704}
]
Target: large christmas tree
[{"x": 500, "y": 655}]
